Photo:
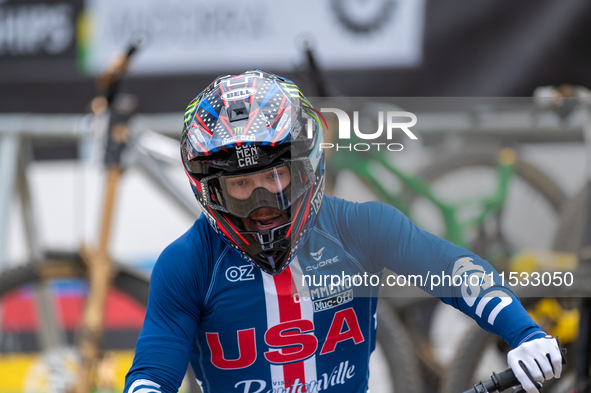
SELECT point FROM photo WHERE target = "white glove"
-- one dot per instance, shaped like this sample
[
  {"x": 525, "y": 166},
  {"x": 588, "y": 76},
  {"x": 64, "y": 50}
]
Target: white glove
[{"x": 542, "y": 359}]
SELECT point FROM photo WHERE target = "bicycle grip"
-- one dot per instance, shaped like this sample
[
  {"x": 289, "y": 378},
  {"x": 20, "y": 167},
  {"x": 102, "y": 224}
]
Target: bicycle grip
[
  {"x": 505, "y": 379},
  {"x": 498, "y": 382}
]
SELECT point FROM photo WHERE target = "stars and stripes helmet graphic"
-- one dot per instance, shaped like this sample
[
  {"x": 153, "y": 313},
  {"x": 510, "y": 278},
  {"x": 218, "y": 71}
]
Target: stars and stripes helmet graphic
[{"x": 252, "y": 143}]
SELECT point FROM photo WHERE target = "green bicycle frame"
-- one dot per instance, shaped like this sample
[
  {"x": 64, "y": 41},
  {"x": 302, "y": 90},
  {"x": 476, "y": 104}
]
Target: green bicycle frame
[{"x": 455, "y": 230}]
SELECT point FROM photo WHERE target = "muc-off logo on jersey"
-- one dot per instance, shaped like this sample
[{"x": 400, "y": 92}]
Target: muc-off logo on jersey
[
  {"x": 333, "y": 301},
  {"x": 395, "y": 121},
  {"x": 240, "y": 273}
]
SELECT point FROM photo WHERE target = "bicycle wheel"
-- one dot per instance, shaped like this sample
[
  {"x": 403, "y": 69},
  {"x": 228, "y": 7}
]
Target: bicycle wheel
[
  {"x": 471, "y": 364},
  {"x": 31, "y": 363},
  {"x": 572, "y": 223},
  {"x": 569, "y": 239},
  {"x": 480, "y": 354},
  {"x": 393, "y": 366},
  {"x": 528, "y": 220}
]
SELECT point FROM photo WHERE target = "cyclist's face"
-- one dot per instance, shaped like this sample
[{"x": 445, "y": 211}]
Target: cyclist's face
[{"x": 274, "y": 180}]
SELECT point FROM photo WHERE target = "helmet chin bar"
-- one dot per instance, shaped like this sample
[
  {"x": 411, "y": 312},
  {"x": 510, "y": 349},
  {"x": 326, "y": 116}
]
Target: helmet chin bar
[
  {"x": 269, "y": 238},
  {"x": 272, "y": 264},
  {"x": 270, "y": 247}
]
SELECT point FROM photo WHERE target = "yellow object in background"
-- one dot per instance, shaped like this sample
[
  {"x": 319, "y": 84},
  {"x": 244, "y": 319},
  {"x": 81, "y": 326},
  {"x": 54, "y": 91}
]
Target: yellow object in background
[
  {"x": 13, "y": 369},
  {"x": 548, "y": 313},
  {"x": 29, "y": 373},
  {"x": 556, "y": 320},
  {"x": 529, "y": 260}
]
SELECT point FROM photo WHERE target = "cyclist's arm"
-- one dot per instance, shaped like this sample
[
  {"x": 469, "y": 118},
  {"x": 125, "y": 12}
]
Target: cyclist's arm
[
  {"x": 164, "y": 346},
  {"x": 391, "y": 240}
]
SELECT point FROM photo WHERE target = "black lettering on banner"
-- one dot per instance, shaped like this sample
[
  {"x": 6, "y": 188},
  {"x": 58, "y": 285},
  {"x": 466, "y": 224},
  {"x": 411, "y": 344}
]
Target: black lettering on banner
[{"x": 37, "y": 30}]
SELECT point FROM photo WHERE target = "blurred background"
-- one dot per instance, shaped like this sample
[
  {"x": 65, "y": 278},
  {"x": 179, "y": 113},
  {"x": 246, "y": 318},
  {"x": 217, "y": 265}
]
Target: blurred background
[
  {"x": 52, "y": 142},
  {"x": 50, "y": 51}
]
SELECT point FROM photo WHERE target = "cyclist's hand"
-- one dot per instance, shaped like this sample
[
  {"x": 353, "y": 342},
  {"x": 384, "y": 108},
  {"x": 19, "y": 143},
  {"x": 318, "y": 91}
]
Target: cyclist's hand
[{"x": 536, "y": 360}]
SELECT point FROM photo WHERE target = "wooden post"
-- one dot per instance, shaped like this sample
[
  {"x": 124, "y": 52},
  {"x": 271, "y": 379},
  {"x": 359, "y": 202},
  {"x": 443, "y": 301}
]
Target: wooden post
[{"x": 100, "y": 271}]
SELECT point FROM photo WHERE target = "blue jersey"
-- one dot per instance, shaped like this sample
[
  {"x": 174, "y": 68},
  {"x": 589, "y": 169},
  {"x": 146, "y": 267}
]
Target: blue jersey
[{"x": 246, "y": 331}]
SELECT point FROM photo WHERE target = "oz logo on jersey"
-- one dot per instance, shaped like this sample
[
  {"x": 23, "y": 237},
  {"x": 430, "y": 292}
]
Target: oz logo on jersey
[{"x": 240, "y": 273}]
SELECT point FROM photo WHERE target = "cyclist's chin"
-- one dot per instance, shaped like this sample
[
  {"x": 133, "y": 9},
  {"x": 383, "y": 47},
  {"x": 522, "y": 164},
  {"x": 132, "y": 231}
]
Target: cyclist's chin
[{"x": 265, "y": 219}]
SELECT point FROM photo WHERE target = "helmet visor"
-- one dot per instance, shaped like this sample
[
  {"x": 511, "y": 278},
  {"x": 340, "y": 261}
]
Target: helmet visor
[{"x": 276, "y": 187}]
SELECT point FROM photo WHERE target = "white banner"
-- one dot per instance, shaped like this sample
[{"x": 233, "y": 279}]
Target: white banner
[{"x": 234, "y": 35}]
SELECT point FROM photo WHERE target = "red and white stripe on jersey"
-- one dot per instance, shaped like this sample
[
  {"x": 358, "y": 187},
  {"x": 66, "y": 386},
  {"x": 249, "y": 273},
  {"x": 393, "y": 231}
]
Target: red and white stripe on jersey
[{"x": 284, "y": 304}]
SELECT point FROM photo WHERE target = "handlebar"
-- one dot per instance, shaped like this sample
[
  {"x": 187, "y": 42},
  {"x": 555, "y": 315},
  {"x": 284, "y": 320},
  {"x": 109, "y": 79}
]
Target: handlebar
[
  {"x": 497, "y": 382},
  {"x": 503, "y": 380}
]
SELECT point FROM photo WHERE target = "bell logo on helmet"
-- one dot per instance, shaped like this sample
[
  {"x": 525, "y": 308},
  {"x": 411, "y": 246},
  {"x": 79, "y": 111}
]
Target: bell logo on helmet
[{"x": 239, "y": 94}]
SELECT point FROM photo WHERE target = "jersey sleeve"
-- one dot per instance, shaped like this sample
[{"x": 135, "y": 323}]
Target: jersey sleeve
[
  {"x": 164, "y": 346},
  {"x": 457, "y": 276}
]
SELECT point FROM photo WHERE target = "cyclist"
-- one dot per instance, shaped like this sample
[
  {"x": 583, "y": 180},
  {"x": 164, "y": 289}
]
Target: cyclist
[{"x": 243, "y": 295}]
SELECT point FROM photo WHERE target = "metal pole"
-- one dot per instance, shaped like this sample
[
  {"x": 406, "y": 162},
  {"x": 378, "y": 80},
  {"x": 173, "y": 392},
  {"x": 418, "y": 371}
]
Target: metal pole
[
  {"x": 49, "y": 335},
  {"x": 28, "y": 215},
  {"x": 153, "y": 170},
  {"x": 584, "y": 345},
  {"x": 9, "y": 148}
]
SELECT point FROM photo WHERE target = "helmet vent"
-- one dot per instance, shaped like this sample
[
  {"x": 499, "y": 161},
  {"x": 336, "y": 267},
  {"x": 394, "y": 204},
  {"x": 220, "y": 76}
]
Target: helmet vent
[{"x": 238, "y": 111}]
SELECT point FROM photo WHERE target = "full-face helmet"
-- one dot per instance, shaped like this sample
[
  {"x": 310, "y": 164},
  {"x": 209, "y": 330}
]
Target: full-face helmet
[{"x": 252, "y": 143}]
